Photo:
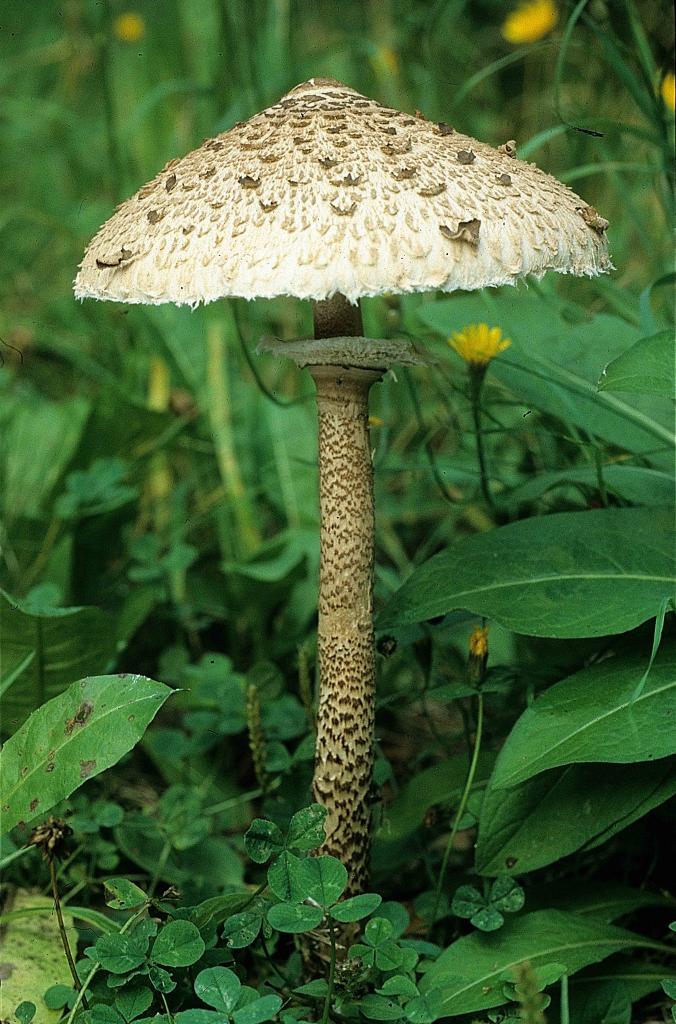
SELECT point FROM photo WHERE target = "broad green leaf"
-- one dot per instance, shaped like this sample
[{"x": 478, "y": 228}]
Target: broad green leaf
[
  {"x": 25, "y": 1012},
  {"x": 548, "y": 817},
  {"x": 286, "y": 879},
  {"x": 636, "y": 485},
  {"x": 469, "y": 973},
  {"x": 178, "y": 944},
  {"x": 647, "y": 368},
  {"x": 605, "y": 901},
  {"x": 572, "y": 574},
  {"x": 262, "y": 840},
  {"x": 324, "y": 879},
  {"x": 39, "y": 442},
  {"x": 32, "y": 944},
  {"x": 58, "y": 996},
  {"x": 44, "y": 649},
  {"x": 609, "y": 1003},
  {"x": 438, "y": 784},
  {"x": 592, "y": 716},
  {"x": 72, "y": 738},
  {"x": 553, "y": 365},
  {"x": 288, "y": 917},
  {"x": 357, "y": 907},
  {"x": 306, "y": 828},
  {"x": 258, "y": 1010},
  {"x": 218, "y": 987}
]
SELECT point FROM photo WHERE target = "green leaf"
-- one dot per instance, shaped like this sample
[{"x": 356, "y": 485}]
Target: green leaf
[
  {"x": 377, "y": 931},
  {"x": 123, "y": 894},
  {"x": 593, "y": 716},
  {"x": 324, "y": 879},
  {"x": 241, "y": 930},
  {"x": 288, "y": 917},
  {"x": 25, "y": 1012},
  {"x": 554, "y": 814},
  {"x": 286, "y": 879},
  {"x": 647, "y": 368},
  {"x": 121, "y": 953},
  {"x": 133, "y": 1000},
  {"x": 469, "y": 973},
  {"x": 605, "y": 901},
  {"x": 258, "y": 1010},
  {"x": 357, "y": 907},
  {"x": 398, "y": 985},
  {"x": 306, "y": 828},
  {"x": 218, "y": 908},
  {"x": 218, "y": 987},
  {"x": 425, "y": 1009},
  {"x": 571, "y": 574},
  {"x": 200, "y": 1016},
  {"x": 376, "y": 1007},
  {"x": 553, "y": 365},
  {"x": 439, "y": 784},
  {"x": 39, "y": 442},
  {"x": 262, "y": 840},
  {"x": 178, "y": 944},
  {"x": 160, "y": 979},
  {"x": 636, "y": 485},
  {"x": 58, "y": 996},
  {"x": 488, "y": 919},
  {"x": 72, "y": 738},
  {"x": 506, "y": 895},
  {"x": 44, "y": 649},
  {"x": 317, "y": 989},
  {"x": 467, "y": 901}
]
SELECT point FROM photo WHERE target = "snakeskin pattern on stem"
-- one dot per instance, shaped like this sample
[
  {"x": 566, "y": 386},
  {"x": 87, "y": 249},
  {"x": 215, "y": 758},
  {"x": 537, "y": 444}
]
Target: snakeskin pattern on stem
[{"x": 345, "y": 722}]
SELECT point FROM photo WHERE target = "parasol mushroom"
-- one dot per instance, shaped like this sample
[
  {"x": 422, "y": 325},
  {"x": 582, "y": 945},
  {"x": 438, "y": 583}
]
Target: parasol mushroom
[{"x": 330, "y": 196}]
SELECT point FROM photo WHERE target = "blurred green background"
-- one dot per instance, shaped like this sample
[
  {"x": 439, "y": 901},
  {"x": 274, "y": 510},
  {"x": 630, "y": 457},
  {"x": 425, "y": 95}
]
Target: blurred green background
[{"x": 152, "y": 463}]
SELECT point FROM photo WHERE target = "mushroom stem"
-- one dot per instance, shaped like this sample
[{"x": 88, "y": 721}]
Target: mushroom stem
[
  {"x": 336, "y": 317},
  {"x": 346, "y": 645}
]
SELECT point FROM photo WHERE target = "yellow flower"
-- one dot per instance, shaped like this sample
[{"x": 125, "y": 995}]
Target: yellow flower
[
  {"x": 129, "y": 27},
  {"x": 668, "y": 90},
  {"x": 479, "y": 343},
  {"x": 531, "y": 21}
]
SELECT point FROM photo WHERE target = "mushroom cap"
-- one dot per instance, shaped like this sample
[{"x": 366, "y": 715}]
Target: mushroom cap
[{"x": 328, "y": 191}]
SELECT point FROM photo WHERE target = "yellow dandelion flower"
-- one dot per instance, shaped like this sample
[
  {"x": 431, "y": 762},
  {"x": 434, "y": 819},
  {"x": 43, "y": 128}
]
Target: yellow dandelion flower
[
  {"x": 530, "y": 22},
  {"x": 668, "y": 90},
  {"x": 477, "y": 344},
  {"x": 129, "y": 27}
]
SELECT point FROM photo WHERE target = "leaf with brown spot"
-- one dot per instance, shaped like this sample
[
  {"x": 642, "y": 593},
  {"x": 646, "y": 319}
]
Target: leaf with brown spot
[{"x": 43, "y": 761}]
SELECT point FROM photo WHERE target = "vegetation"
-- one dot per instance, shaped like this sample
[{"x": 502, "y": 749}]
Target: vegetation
[{"x": 159, "y": 536}]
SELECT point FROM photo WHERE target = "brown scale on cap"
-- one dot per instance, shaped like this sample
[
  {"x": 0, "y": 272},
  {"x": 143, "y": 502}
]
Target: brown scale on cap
[{"x": 301, "y": 240}]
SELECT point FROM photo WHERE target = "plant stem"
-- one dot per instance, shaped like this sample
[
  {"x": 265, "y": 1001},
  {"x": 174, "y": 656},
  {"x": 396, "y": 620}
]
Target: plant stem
[
  {"x": 463, "y": 800},
  {"x": 332, "y": 976},
  {"x": 62, "y": 931},
  {"x": 565, "y": 1011},
  {"x": 476, "y": 383},
  {"x": 14, "y": 856}
]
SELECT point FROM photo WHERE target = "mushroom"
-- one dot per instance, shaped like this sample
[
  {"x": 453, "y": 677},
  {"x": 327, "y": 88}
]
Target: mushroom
[{"x": 330, "y": 196}]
